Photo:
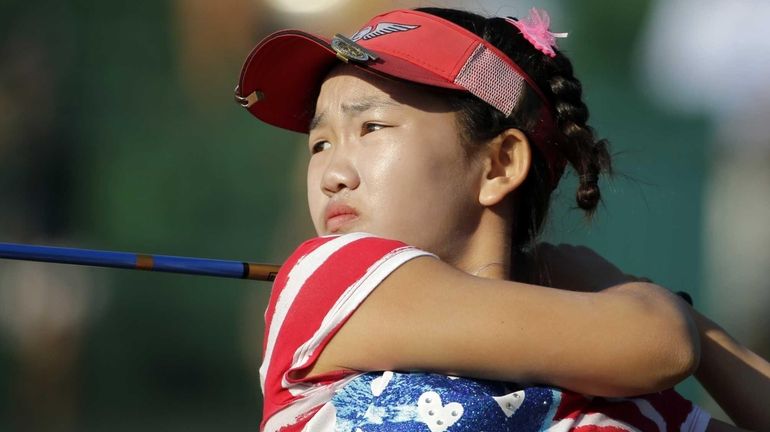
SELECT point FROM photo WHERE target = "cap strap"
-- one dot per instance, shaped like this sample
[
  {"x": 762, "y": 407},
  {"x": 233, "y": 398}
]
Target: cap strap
[{"x": 492, "y": 80}]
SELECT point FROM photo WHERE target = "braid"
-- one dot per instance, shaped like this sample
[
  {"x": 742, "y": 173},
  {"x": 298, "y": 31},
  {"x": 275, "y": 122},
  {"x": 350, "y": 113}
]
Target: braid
[{"x": 588, "y": 155}]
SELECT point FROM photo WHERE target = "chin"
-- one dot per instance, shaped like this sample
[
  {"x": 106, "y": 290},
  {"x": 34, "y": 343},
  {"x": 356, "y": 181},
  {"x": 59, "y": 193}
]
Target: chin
[{"x": 347, "y": 229}]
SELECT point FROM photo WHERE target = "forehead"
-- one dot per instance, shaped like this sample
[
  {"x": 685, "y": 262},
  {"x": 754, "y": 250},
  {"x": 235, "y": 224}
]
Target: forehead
[{"x": 350, "y": 86}]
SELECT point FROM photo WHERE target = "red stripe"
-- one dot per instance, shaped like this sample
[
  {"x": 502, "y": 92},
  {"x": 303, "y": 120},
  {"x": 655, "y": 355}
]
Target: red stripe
[
  {"x": 574, "y": 406},
  {"x": 322, "y": 290},
  {"x": 280, "y": 279},
  {"x": 672, "y": 406},
  {"x": 278, "y": 285},
  {"x": 314, "y": 300}
]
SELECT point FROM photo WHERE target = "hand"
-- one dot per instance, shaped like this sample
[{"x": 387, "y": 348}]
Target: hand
[{"x": 575, "y": 268}]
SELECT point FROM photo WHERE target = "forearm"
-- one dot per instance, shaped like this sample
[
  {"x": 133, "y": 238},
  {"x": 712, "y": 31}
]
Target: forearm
[
  {"x": 660, "y": 333},
  {"x": 737, "y": 378},
  {"x": 661, "y": 345}
]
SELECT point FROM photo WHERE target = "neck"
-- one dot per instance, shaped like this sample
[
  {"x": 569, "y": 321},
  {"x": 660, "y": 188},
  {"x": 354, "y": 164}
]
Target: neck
[
  {"x": 493, "y": 270},
  {"x": 488, "y": 250}
]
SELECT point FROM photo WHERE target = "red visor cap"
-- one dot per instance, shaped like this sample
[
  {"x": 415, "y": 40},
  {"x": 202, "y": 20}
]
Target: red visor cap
[{"x": 280, "y": 78}]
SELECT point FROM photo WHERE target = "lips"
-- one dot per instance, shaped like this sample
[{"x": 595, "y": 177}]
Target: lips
[{"x": 338, "y": 215}]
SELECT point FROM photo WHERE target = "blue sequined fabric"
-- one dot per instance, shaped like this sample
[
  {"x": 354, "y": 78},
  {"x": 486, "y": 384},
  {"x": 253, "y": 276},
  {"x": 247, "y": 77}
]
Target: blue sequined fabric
[{"x": 411, "y": 402}]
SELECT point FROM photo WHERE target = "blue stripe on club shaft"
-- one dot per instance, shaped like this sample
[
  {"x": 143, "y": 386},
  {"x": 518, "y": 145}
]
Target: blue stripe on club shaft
[
  {"x": 163, "y": 263},
  {"x": 201, "y": 266}
]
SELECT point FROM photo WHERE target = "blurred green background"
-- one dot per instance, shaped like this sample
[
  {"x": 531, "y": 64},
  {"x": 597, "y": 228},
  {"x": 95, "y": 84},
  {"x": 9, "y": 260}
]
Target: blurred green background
[{"x": 118, "y": 131}]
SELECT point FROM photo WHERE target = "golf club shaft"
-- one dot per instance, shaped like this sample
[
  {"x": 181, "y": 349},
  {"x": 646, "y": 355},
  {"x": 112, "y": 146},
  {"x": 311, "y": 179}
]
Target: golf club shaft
[{"x": 128, "y": 260}]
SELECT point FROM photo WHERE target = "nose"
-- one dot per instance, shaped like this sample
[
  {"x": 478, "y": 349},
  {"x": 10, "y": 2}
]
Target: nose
[{"x": 340, "y": 173}]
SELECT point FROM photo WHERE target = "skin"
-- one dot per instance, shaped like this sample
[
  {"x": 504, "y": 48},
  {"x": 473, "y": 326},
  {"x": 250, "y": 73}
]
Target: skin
[
  {"x": 364, "y": 133},
  {"x": 737, "y": 378},
  {"x": 395, "y": 155}
]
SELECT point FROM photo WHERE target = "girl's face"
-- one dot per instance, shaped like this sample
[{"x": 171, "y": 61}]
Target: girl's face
[{"x": 387, "y": 158}]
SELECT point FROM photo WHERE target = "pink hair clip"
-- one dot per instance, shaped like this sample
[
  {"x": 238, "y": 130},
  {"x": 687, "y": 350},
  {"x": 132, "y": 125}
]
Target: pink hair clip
[{"x": 535, "y": 30}]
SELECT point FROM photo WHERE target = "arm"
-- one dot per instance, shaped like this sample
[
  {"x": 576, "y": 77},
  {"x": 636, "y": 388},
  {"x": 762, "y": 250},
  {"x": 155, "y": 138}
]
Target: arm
[
  {"x": 737, "y": 378},
  {"x": 429, "y": 316}
]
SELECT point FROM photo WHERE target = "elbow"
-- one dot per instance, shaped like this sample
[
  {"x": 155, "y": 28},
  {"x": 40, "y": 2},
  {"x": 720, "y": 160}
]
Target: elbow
[
  {"x": 680, "y": 346},
  {"x": 673, "y": 358},
  {"x": 682, "y": 362},
  {"x": 666, "y": 340},
  {"x": 689, "y": 355},
  {"x": 661, "y": 373}
]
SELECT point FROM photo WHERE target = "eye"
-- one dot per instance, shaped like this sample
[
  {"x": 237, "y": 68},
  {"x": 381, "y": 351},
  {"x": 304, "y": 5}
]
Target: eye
[
  {"x": 320, "y": 146},
  {"x": 369, "y": 127}
]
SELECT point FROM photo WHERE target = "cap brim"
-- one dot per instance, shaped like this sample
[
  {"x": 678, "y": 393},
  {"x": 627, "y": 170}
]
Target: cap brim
[{"x": 287, "y": 68}]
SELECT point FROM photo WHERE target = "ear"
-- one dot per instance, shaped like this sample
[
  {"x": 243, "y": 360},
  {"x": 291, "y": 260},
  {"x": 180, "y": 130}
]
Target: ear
[{"x": 506, "y": 166}]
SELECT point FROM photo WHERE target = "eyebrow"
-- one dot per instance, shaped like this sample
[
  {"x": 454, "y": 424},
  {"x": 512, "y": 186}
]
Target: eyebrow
[{"x": 354, "y": 108}]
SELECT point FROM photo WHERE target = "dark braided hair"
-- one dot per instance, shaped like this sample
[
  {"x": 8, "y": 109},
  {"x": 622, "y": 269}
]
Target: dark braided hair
[{"x": 570, "y": 134}]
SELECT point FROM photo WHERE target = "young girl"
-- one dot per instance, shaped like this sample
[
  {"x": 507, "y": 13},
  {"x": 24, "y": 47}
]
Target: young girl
[{"x": 437, "y": 137}]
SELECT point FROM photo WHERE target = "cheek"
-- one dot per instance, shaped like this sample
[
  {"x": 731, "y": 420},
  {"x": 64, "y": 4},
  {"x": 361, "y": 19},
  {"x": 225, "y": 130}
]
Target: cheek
[
  {"x": 421, "y": 194},
  {"x": 315, "y": 197}
]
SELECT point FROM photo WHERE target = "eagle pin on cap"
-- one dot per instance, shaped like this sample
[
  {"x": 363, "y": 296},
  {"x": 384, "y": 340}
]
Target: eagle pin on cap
[{"x": 347, "y": 50}]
